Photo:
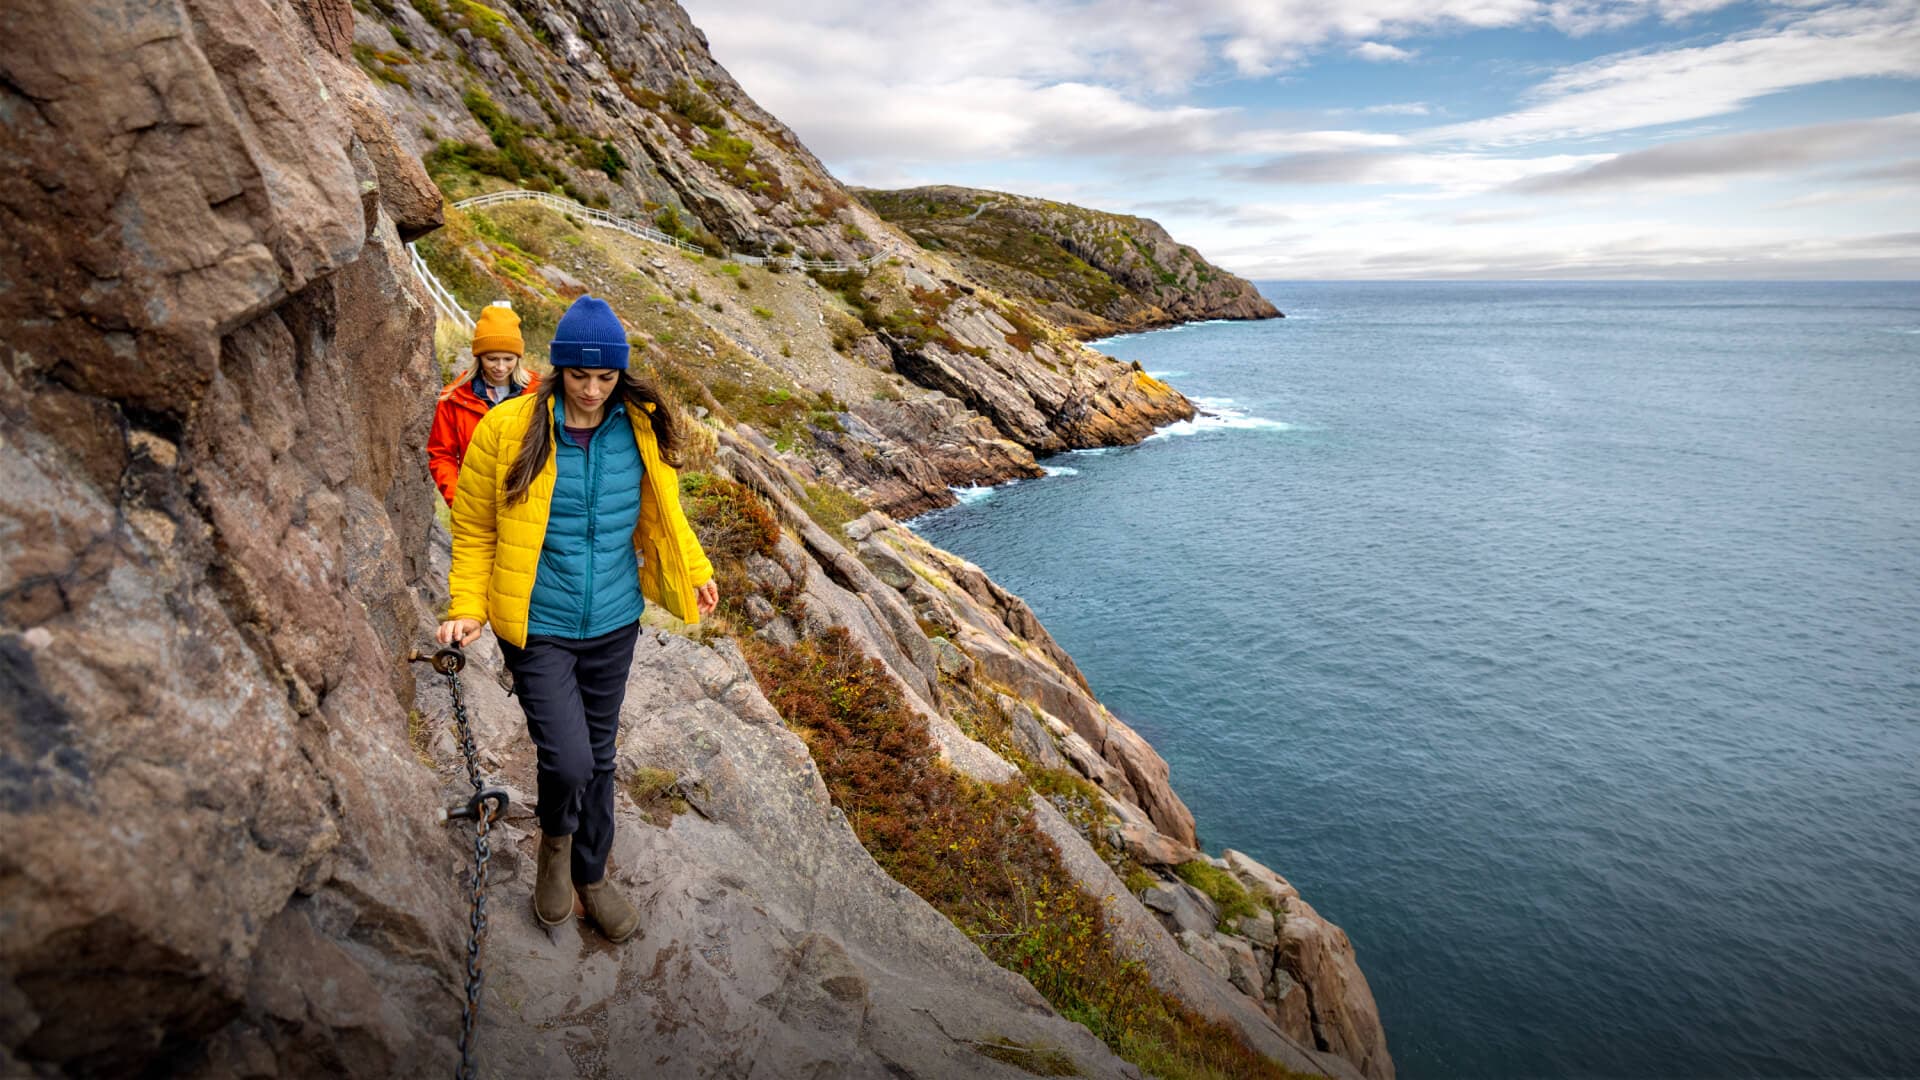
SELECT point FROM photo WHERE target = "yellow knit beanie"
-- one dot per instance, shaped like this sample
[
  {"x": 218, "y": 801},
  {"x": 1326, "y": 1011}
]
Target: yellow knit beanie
[{"x": 498, "y": 330}]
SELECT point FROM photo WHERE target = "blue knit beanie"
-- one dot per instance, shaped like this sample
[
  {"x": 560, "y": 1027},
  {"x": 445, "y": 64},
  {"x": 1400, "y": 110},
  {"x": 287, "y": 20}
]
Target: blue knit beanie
[{"x": 589, "y": 335}]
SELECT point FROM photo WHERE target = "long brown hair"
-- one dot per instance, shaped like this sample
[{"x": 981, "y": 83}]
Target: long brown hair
[{"x": 633, "y": 391}]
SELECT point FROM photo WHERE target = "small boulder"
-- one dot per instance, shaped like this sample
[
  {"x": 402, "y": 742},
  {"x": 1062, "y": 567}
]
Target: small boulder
[
  {"x": 778, "y": 632},
  {"x": 886, "y": 564},
  {"x": 1287, "y": 1005},
  {"x": 1030, "y": 736},
  {"x": 764, "y": 571},
  {"x": 1255, "y": 875},
  {"x": 1243, "y": 965},
  {"x": 759, "y": 612},
  {"x": 1181, "y": 907},
  {"x": 1202, "y": 948},
  {"x": 1150, "y": 847},
  {"x": 948, "y": 657},
  {"x": 1258, "y": 928}
]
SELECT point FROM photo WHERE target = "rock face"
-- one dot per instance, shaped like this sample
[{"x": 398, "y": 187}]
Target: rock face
[
  {"x": 1095, "y": 272},
  {"x": 212, "y": 409}
]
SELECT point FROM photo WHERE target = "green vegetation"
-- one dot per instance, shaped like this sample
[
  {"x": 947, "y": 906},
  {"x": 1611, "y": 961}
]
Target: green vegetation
[
  {"x": 487, "y": 256},
  {"x": 608, "y": 160},
  {"x": 514, "y": 157},
  {"x": 451, "y": 16},
  {"x": 694, "y": 104},
  {"x": 1028, "y": 1058},
  {"x": 669, "y": 221},
  {"x": 914, "y": 317},
  {"x": 384, "y": 66},
  {"x": 830, "y": 507},
  {"x": 972, "y": 850},
  {"x": 656, "y": 792},
  {"x": 1222, "y": 887},
  {"x": 1101, "y": 264}
]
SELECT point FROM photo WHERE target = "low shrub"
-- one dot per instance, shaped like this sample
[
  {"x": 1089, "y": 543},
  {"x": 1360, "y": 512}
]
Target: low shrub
[
  {"x": 831, "y": 508},
  {"x": 1222, "y": 887},
  {"x": 972, "y": 850},
  {"x": 730, "y": 520}
]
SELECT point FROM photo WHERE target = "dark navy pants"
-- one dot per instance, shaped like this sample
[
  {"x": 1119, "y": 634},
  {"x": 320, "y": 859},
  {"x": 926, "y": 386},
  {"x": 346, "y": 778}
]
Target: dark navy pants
[{"x": 571, "y": 690}]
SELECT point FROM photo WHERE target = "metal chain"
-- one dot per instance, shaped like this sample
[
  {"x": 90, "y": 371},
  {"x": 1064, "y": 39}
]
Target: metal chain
[{"x": 487, "y": 805}]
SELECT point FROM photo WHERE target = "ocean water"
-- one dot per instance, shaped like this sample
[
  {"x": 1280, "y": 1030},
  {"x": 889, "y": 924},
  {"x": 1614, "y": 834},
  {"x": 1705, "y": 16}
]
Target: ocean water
[{"x": 1560, "y": 641}]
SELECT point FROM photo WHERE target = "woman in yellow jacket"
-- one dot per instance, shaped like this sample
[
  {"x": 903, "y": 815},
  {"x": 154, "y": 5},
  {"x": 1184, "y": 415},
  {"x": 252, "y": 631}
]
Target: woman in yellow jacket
[{"x": 566, "y": 521}]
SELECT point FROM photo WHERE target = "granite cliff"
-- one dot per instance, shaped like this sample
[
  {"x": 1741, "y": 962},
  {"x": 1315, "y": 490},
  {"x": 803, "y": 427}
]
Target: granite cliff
[
  {"x": 221, "y": 777},
  {"x": 1095, "y": 273}
]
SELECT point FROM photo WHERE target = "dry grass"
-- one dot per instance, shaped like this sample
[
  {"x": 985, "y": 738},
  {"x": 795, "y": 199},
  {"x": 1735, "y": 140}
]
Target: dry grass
[
  {"x": 452, "y": 347},
  {"x": 656, "y": 792}
]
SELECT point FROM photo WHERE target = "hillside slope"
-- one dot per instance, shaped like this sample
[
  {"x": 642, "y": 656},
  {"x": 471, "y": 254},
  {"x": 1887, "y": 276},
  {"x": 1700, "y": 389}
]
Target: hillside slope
[
  {"x": 619, "y": 104},
  {"x": 1093, "y": 272}
]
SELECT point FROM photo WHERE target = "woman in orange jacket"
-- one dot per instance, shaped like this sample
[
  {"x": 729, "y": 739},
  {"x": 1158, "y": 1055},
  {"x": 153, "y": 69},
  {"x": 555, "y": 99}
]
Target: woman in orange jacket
[{"x": 497, "y": 373}]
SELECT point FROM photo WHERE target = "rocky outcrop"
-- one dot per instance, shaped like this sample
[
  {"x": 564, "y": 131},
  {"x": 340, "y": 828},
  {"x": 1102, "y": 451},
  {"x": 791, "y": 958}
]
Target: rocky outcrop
[
  {"x": 1094, "y": 272},
  {"x": 1314, "y": 961},
  {"x": 771, "y": 943},
  {"x": 1283, "y": 961},
  {"x": 211, "y": 410}
]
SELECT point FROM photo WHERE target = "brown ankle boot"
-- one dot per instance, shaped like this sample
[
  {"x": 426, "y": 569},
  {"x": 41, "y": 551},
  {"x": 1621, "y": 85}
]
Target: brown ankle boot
[
  {"x": 610, "y": 911},
  {"x": 553, "y": 881}
]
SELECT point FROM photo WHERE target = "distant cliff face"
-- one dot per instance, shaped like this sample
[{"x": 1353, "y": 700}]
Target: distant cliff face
[{"x": 1094, "y": 272}]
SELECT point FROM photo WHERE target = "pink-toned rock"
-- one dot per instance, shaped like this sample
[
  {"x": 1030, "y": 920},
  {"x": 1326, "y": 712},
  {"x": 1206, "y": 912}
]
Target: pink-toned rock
[
  {"x": 1201, "y": 947},
  {"x": 1243, "y": 968},
  {"x": 1151, "y": 848},
  {"x": 1317, "y": 956},
  {"x": 1258, "y": 877},
  {"x": 1345, "y": 1020},
  {"x": 1287, "y": 1004}
]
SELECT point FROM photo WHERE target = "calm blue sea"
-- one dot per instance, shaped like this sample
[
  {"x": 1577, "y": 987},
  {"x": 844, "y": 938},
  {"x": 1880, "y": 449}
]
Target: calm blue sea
[{"x": 1560, "y": 641}]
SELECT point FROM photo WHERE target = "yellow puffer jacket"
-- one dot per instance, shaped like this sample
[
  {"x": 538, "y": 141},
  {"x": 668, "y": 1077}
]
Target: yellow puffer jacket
[{"x": 496, "y": 547}]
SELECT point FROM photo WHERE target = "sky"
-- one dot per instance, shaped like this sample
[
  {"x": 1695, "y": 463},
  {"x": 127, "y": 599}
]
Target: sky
[{"x": 1385, "y": 138}]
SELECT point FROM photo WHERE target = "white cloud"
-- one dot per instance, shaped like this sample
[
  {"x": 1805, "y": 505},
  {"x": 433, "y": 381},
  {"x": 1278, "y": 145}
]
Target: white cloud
[
  {"x": 1378, "y": 51},
  {"x": 1747, "y": 153},
  {"x": 1401, "y": 108},
  {"x": 1581, "y": 17},
  {"x": 1453, "y": 174},
  {"x": 1625, "y": 92},
  {"x": 1645, "y": 248},
  {"x": 1846, "y": 196}
]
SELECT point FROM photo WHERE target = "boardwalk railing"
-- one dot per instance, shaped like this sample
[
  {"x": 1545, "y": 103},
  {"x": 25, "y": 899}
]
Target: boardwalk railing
[
  {"x": 647, "y": 232},
  {"x": 443, "y": 300}
]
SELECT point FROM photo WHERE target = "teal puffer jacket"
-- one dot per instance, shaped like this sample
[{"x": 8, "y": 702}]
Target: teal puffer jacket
[{"x": 588, "y": 582}]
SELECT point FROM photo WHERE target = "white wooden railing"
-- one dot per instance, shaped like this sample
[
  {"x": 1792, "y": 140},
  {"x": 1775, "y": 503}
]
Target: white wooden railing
[
  {"x": 647, "y": 232},
  {"x": 448, "y": 307},
  {"x": 443, "y": 300}
]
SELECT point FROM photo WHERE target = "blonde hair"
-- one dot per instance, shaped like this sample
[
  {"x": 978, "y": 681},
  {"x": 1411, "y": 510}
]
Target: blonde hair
[{"x": 522, "y": 374}]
